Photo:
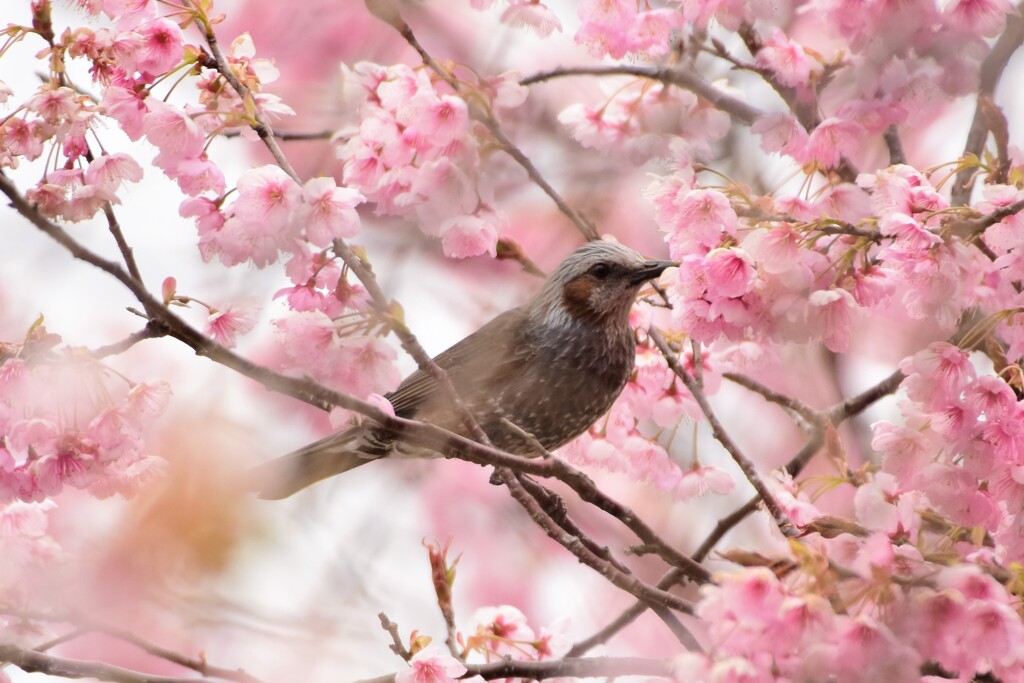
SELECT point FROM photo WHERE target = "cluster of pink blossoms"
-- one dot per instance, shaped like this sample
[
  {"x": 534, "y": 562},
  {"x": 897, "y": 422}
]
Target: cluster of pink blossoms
[
  {"x": 961, "y": 445},
  {"x": 498, "y": 633},
  {"x": 415, "y": 153},
  {"x": 65, "y": 420},
  {"x": 875, "y": 247},
  {"x": 763, "y": 629},
  {"x": 654, "y": 403}
]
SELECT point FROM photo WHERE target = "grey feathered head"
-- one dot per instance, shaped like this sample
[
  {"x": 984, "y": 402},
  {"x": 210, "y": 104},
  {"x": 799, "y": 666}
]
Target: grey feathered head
[{"x": 595, "y": 284}]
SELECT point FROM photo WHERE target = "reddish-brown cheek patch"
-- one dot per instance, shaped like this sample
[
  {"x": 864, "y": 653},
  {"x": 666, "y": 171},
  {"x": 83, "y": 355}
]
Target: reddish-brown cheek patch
[{"x": 576, "y": 297}]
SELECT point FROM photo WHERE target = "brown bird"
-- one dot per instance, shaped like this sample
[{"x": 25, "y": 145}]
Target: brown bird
[{"x": 551, "y": 367}]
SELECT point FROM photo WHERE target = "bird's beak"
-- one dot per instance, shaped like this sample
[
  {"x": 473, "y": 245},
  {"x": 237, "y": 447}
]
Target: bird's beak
[{"x": 651, "y": 270}]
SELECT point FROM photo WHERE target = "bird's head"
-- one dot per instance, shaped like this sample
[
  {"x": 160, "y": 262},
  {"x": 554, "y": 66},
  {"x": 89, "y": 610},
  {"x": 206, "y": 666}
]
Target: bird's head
[{"x": 596, "y": 284}]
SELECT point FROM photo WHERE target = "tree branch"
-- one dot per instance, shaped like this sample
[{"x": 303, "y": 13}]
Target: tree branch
[
  {"x": 575, "y": 545},
  {"x": 593, "y": 667},
  {"x": 723, "y": 437},
  {"x": 681, "y": 78},
  {"x": 31, "y": 661},
  {"x": 991, "y": 71}
]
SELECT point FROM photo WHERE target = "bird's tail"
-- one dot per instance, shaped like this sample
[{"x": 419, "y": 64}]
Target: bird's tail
[{"x": 291, "y": 473}]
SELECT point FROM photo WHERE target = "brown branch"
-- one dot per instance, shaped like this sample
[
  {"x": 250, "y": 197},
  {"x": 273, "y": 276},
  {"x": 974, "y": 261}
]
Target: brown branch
[
  {"x": 197, "y": 664},
  {"x": 396, "y": 640},
  {"x": 262, "y": 126},
  {"x": 681, "y": 78},
  {"x": 791, "y": 404},
  {"x": 31, "y": 661},
  {"x": 991, "y": 71},
  {"x": 592, "y": 667},
  {"x": 894, "y": 145},
  {"x": 980, "y": 225},
  {"x": 723, "y": 437},
  {"x": 122, "y": 244},
  {"x": 857, "y": 404},
  {"x": 152, "y": 330},
  {"x": 674, "y": 576},
  {"x": 573, "y": 544},
  {"x": 289, "y": 136},
  {"x": 555, "y": 507}
]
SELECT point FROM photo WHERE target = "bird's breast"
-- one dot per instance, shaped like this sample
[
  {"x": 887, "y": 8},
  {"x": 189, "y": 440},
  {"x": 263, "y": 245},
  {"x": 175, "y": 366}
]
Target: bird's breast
[{"x": 572, "y": 379}]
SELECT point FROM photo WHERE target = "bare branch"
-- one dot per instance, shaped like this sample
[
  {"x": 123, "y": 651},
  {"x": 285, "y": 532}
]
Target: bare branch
[
  {"x": 681, "y": 78},
  {"x": 723, "y": 437},
  {"x": 674, "y": 576},
  {"x": 396, "y": 640},
  {"x": 289, "y": 136},
  {"x": 894, "y": 145},
  {"x": 857, "y": 404},
  {"x": 615, "y": 576},
  {"x": 31, "y": 661},
  {"x": 593, "y": 667},
  {"x": 152, "y": 330},
  {"x": 791, "y": 404},
  {"x": 992, "y": 68}
]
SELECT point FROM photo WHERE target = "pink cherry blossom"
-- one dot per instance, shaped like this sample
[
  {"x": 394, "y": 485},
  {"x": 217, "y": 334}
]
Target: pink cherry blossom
[
  {"x": 730, "y": 272},
  {"x": 831, "y": 139},
  {"x": 173, "y": 132},
  {"x": 697, "y": 481},
  {"x": 328, "y": 211},
  {"x": 836, "y": 309},
  {"x": 110, "y": 170},
  {"x": 534, "y": 15},
  {"x": 983, "y": 17},
  {"x": 162, "y": 46},
  {"x": 226, "y": 324},
  {"x": 698, "y": 216},
  {"x": 267, "y": 195},
  {"x": 431, "y": 665},
  {"x": 786, "y": 59},
  {"x": 127, "y": 107},
  {"x": 472, "y": 235},
  {"x": 783, "y": 134}
]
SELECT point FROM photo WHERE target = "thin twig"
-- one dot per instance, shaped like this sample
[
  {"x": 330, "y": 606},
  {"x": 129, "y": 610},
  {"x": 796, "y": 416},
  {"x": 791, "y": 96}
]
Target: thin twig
[
  {"x": 857, "y": 404},
  {"x": 150, "y": 331},
  {"x": 795, "y": 405},
  {"x": 289, "y": 136},
  {"x": 396, "y": 640},
  {"x": 262, "y": 127},
  {"x": 679, "y": 77},
  {"x": 197, "y": 664}
]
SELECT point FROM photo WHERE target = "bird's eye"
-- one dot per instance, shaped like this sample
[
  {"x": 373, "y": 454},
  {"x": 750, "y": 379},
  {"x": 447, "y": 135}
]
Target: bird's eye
[{"x": 601, "y": 270}]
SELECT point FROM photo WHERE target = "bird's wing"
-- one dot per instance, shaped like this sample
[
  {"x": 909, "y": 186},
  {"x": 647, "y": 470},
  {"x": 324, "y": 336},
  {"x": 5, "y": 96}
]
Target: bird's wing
[{"x": 486, "y": 358}]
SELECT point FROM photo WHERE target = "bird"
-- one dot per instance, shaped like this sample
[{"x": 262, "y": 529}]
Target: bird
[{"x": 537, "y": 375}]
